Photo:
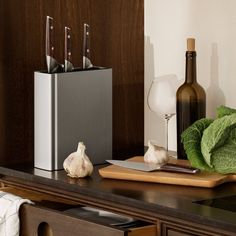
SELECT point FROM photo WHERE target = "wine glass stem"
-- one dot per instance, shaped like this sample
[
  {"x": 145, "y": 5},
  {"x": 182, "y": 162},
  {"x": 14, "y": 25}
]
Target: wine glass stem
[{"x": 167, "y": 118}]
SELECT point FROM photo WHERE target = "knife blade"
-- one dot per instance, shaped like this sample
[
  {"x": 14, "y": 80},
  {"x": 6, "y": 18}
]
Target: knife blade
[
  {"x": 148, "y": 167},
  {"x": 86, "y": 48}
]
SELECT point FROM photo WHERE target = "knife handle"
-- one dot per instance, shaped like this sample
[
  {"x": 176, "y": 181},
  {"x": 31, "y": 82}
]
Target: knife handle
[
  {"x": 68, "y": 55},
  {"x": 68, "y": 66},
  {"x": 179, "y": 168},
  {"x": 49, "y": 37},
  {"x": 86, "y": 47}
]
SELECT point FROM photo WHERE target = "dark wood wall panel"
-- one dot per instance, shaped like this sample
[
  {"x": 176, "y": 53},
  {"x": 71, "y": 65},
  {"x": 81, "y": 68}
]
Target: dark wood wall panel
[{"x": 117, "y": 41}]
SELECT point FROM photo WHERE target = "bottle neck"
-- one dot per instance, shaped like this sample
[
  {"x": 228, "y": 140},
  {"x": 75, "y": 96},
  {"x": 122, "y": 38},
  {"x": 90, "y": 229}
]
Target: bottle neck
[{"x": 191, "y": 72}]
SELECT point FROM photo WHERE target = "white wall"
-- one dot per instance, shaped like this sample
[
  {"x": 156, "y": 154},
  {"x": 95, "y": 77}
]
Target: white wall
[{"x": 167, "y": 25}]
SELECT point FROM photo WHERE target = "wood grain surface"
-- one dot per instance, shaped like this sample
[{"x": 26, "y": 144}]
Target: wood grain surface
[
  {"x": 202, "y": 179},
  {"x": 117, "y": 41},
  {"x": 50, "y": 209}
]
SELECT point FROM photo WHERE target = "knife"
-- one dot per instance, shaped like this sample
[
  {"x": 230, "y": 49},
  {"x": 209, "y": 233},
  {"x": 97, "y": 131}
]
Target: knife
[
  {"x": 52, "y": 65},
  {"x": 148, "y": 167},
  {"x": 86, "y": 48},
  {"x": 68, "y": 57}
]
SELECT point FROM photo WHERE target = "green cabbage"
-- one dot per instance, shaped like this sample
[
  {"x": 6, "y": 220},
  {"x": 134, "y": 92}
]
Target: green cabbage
[
  {"x": 191, "y": 139},
  {"x": 210, "y": 145},
  {"x": 218, "y": 144}
]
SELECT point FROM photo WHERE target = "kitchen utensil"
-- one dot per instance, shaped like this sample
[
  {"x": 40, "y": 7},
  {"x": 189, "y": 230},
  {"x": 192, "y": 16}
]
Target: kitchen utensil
[
  {"x": 105, "y": 217},
  {"x": 52, "y": 65},
  {"x": 147, "y": 167},
  {"x": 86, "y": 48},
  {"x": 68, "y": 56},
  {"x": 69, "y": 107},
  {"x": 201, "y": 179}
]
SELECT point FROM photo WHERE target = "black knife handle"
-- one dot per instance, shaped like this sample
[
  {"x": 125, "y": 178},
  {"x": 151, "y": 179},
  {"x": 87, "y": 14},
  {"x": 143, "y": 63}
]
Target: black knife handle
[
  {"x": 68, "y": 66},
  {"x": 49, "y": 37},
  {"x": 86, "y": 48},
  {"x": 179, "y": 168},
  {"x": 68, "y": 55},
  {"x": 86, "y": 41}
]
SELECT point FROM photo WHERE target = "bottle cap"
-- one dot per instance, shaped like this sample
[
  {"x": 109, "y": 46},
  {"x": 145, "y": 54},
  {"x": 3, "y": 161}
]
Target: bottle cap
[{"x": 191, "y": 44}]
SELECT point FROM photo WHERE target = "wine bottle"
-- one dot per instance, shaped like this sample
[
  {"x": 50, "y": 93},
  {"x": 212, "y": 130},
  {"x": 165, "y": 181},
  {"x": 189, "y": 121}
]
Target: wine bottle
[{"x": 190, "y": 98}]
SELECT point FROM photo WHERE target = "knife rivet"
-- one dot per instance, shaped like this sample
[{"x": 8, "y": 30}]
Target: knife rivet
[
  {"x": 68, "y": 36},
  {"x": 51, "y": 27},
  {"x": 88, "y": 50},
  {"x": 87, "y": 33},
  {"x": 52, "y": 48}
]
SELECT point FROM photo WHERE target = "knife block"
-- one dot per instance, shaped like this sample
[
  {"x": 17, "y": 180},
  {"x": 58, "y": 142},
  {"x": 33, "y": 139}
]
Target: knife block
[{"x": 69, "y": 108}]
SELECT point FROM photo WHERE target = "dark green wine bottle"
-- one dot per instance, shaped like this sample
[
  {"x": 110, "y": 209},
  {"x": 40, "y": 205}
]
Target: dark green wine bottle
[{"x": 190, "y": 98}]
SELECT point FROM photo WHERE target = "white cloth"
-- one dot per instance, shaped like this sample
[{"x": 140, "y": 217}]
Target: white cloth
[{"x": 9, "y": 214}]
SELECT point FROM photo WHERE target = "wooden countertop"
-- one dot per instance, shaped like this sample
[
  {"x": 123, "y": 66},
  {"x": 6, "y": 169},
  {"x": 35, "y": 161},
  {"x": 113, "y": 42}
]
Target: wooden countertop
[{"x": 151, "y": 198}]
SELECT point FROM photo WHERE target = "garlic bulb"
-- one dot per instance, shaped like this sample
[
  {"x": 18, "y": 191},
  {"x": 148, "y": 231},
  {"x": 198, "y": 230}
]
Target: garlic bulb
[
  {"x": 77, "y": 164},
  {"x": 155, "y": 154}
]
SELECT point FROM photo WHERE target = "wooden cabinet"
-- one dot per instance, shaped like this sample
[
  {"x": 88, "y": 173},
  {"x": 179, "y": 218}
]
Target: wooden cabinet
[
  {"x": 61, "y": 224},
  {"x": 47, "y": 217},
  {"x": 183, "y": 229}
]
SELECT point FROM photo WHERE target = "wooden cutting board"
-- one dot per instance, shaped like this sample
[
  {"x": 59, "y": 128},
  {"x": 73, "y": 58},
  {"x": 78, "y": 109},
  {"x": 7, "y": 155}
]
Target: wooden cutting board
[{"x": 202, "y": 179}]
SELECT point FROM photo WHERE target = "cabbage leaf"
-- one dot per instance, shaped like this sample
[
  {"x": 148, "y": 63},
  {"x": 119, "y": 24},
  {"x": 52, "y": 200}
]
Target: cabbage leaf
[
  {"x": 218, "y": 144},
  {"x": 191, "y": 139},
  {"x": 224, "y": 111},
  {"x": 224, "y": 158}
]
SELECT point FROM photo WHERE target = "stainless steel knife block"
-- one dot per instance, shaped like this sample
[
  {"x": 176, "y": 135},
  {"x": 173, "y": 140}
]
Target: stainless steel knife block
[{"x": 72, "y": 107}]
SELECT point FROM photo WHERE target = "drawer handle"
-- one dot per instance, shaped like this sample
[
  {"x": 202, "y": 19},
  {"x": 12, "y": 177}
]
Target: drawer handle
[{"x": 44, "y": 229}]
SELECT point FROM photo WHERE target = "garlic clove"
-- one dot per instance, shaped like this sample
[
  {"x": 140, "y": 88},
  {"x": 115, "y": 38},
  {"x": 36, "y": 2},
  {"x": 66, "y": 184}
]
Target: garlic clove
[
  {"x": 77, "y": 164},
  {"x": 156, "y": 154}
]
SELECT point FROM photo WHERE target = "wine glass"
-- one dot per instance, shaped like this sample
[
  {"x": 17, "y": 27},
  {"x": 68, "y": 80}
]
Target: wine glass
[{"x": 162, "y": 98}]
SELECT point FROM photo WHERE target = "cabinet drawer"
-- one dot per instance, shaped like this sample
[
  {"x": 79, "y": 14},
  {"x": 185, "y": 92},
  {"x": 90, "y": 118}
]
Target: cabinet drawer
[
  {"x": 171, "y": 229},
  {"x": 48, "y": 218},
  {"x": 61, "y": 224},
  {"x": 171, "y": 232}
]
